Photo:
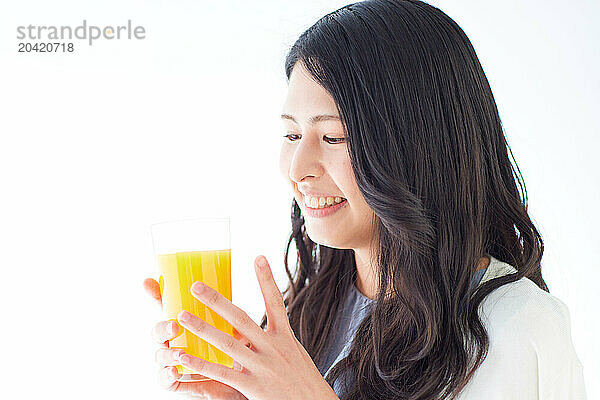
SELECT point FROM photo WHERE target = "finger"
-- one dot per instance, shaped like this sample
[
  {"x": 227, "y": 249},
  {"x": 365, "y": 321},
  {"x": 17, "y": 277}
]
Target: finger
[
  {"x": 165, "y": 330},
  {"x": 276, "y": 313},
  {"x": 153, "y": 289},
  {"x": 232, "y": 314},
  {"x": 224, "y": 342},
  {"x": 168, "y": 378},
  {"x": 218, "y": 372},
  {"x": 166, "y": 357},
  {"x": 243, "y": 340}
]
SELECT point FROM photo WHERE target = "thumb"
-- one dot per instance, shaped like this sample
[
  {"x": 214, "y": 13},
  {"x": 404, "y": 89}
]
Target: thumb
[{"x": 153, "y": 289}]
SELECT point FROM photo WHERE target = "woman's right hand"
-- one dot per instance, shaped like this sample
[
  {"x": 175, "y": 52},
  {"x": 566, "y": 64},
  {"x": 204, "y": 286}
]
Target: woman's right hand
[{"x": 167, "y": 359}]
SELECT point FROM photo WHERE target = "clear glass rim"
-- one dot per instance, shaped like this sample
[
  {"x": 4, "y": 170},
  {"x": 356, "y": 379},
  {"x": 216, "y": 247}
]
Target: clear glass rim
[{"x": 195, "y": 219}]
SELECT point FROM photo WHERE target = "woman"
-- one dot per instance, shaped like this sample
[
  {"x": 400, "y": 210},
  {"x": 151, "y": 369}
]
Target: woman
[{"x": 418, "y": 273}]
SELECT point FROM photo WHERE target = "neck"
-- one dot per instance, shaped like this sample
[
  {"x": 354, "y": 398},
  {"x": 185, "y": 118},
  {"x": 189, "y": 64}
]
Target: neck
[{"x": 366, "y": 280}]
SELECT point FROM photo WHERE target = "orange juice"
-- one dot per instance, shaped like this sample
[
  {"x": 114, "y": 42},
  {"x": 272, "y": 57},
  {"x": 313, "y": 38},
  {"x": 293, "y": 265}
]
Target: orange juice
[{"x": 178, "y": 271}]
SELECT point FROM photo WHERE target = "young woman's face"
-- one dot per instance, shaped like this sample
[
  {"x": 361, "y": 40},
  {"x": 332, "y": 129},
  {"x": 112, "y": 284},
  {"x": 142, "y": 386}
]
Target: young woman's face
[{"x": 315, "y": 161}]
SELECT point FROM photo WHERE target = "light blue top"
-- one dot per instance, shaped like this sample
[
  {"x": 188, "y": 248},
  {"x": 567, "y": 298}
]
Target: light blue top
[{"x": 356, "y": 307}]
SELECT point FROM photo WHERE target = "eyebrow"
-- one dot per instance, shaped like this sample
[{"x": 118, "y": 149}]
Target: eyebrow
[{"x": 314, "y": 119}]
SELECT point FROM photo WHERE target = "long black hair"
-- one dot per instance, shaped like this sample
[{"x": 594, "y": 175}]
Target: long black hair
[{"x": 431, "y": 160}]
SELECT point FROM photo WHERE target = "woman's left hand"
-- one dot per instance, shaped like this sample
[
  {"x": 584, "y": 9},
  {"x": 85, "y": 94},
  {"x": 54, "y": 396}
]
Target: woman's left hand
[{"x": 275, "y": 366}]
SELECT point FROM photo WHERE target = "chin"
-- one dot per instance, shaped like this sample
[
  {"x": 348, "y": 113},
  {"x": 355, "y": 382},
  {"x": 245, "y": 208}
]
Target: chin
[{"x": 323, "y": 239}]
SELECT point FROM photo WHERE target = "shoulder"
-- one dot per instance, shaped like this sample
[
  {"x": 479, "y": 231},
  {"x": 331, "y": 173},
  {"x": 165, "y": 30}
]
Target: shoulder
[
  {"x": 536, "y": 316},
  {"x": 524, "y": 309},
  {"x": 530, "y": 342},
  {"x": 530, "y": 330}
]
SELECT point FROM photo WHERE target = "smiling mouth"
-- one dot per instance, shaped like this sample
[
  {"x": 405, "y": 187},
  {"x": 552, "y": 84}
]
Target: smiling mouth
[
  {"x": 325, "y": 210},
  {"x": 322, "y": 201}
]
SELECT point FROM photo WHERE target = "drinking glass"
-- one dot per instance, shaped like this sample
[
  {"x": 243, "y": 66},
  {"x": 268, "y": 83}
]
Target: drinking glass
[{"x": 187, "y": 251}]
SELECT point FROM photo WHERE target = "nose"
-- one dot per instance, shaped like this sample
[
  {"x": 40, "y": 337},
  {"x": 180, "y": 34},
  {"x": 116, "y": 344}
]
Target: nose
[{"x": 306, "y": 161}]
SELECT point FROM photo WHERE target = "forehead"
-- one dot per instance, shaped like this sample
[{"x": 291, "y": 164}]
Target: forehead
[{"x": 305, "y": 97}]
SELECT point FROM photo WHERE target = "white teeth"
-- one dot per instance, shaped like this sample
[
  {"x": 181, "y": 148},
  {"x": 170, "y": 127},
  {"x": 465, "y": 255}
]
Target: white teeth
[{"x": 321, "y": 202}]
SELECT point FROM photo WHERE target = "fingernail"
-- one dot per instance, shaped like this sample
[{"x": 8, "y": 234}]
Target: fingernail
[
  {"x": 198, "y": 287},
  {"x": 177, "y": 354},
  {"x": 262, "y": 261},
  {"x": 174, "y": 328},
  {"x": 184, "y": 316}
]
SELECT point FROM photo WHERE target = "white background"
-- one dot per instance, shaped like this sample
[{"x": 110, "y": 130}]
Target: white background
[{"x": 98, "y": 144}]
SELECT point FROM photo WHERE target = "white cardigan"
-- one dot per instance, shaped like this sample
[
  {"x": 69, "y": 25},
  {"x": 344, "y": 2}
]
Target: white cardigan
[{"x": 531, "y": 354}]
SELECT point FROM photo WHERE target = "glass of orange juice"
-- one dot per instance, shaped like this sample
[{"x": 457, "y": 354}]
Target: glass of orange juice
[{"x": 187, "y": 251}]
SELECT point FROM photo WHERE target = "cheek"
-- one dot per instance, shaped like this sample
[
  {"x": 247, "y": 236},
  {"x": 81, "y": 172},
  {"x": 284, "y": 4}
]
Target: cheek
[
  {"x": 350, "y": 186},
  {"x": 352, "y": 191},
  {"x": 285, "y": 162}
]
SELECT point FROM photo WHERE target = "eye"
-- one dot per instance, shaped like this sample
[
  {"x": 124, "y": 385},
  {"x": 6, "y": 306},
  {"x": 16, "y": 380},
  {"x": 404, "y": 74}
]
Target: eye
[
  {"x": 290, "y": 136},
  {"x": 293, "y": 137},
  {"x": 333, "y": 140}
]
